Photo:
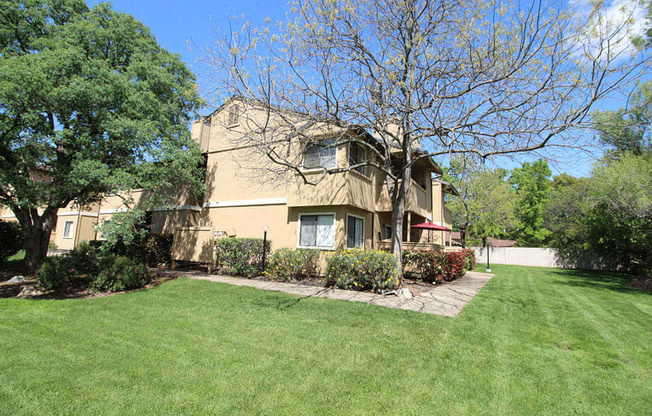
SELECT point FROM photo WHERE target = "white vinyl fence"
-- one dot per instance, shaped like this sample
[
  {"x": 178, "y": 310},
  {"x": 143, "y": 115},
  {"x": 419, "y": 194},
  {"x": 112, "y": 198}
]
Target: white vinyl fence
[{"x": 539, "y": 256}]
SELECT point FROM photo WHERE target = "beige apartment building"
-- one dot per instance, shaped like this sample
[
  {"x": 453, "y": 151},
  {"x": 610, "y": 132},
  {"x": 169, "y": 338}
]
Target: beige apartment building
[{"x": 247, "y": 195}]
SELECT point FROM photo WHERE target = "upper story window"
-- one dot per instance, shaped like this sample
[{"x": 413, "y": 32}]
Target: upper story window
[
  {"x": 322, "y": 154},
  {"x": 234, "y": 113},
  {"x": 357, "y": 155},
  {"x": 67, "y": 229}
]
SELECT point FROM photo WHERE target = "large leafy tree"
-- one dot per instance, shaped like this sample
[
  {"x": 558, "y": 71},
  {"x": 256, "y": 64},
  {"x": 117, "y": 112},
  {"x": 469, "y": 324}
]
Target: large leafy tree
[
  {"x": 476, "y": 77},
  {"x": 532, "y": 185},
  {"x": 485, "y": 206},
  {"x": 89, "y": 102}
]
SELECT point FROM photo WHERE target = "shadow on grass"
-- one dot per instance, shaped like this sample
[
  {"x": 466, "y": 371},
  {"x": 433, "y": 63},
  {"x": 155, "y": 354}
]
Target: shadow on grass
[{"x": 619, "y": 282}]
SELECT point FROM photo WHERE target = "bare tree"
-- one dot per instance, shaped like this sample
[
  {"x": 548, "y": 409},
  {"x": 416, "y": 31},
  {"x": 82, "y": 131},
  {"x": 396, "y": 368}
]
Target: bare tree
[{"x": 425, "y": 78}]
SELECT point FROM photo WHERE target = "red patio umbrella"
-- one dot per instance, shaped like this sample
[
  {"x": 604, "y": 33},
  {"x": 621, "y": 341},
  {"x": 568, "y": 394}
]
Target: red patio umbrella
[{"x": 430, "y": 226}]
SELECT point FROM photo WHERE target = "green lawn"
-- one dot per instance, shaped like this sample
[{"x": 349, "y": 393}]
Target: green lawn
[{"x": 534, "y": 341}]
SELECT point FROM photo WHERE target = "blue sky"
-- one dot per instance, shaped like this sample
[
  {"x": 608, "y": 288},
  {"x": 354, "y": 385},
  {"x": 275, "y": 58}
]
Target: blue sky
[{"x": 187, "y": 27}]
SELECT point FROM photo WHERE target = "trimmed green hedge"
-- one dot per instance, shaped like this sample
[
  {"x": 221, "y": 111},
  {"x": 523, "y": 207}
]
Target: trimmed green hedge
[
  {"x": 362, "y": 270},
  {"x": 241, "y": 256}
]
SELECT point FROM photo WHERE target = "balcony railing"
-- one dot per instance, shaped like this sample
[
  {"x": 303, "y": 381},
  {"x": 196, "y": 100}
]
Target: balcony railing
[{"x": 411, "y": 245}]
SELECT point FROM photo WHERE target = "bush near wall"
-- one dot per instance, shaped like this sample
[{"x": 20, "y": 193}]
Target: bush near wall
[
  {"x": 11, "y": 239},
  {"x": 88, "y": 266},
  {"x": 288, "y": 264},
  {"x": 362, "y": 270},
  {"x": 435, "y": 266},
  {"x": 154, "y": 249},
  {"x": 241, "y": 256}
]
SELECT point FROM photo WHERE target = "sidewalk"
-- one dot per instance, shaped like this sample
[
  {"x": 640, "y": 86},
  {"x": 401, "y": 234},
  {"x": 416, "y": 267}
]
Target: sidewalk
[{"x": 446, "y": 299}]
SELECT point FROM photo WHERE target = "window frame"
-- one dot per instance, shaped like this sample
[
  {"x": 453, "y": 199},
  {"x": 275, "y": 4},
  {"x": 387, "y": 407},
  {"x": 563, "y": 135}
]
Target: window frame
[
  {"x": 346, "y": 243},
  {"x": 318, "y": 144},
  {"x": 362, "y": 170},
  {"x": 302, "y": 214},
  {"x": 388, "y": 232},
  {"x": 70, "y": 233},
  {"x": 234, "y": 115}
]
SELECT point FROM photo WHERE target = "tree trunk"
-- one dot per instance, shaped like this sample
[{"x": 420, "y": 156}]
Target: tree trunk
[
  {"x": 463, "y": 236},
  {"x": 36, "y": 232},
  {"x": 399, "y": 199}
]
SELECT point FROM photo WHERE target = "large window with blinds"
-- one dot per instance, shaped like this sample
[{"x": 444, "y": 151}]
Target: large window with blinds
[{"x": 317, "y": 231}]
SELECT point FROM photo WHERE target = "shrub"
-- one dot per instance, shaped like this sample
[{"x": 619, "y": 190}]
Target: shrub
[
  {"x": 434, "y": 266},
  {"x": 154, "y": 249},
  {"x": 362, "y": 270},
  {"x": 470, "y": 258},
  {"x": 425, "y": 265},
  {"x": 288, "y": 264},
  {"x": 79, "y": 266},
  {"x": 454, "y": 265},
  {"x": 120, "y": 273},
  {"x": 11, "y": 238},
  {"x": 241, "y": 256}
]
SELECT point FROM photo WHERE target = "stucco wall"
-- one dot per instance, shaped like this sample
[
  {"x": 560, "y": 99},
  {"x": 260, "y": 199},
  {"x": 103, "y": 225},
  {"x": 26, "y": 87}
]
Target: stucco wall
[{"x": 541, "y": 257}]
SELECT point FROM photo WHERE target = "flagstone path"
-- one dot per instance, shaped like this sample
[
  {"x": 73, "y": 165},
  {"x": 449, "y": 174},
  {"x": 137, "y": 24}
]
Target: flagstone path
[{"x": 446, "y": 299}]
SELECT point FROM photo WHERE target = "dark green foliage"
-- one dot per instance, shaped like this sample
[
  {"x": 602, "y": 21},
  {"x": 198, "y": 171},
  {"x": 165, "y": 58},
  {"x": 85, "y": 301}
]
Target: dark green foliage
[
  {"x": 75, "y": 268},
  {"x": 120, "y": 273},
  {"x": 289, "y": 264},
  {"x": 11, "y": 239},
  {"x": 362, "y": 270},
  {"x": 437, "y": 266},
  {"x": 241, "y": 256},
  {"x": 153, "y": 249},
  {"x": 88, "y": 266},
  {"x": 88, "y": 96}
]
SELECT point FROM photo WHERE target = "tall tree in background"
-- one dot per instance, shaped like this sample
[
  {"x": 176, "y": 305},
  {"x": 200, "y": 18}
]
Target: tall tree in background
[
  {"x": 532, "y": 185},
  {"x": 476, "y": 77},
  {"x": 89, "y": 103},
  {"x": 485, "y": 206}
]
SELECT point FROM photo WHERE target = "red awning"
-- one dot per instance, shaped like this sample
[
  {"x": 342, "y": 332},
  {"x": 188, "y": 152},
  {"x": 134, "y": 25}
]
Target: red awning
[{"x": 430, "y": 226}]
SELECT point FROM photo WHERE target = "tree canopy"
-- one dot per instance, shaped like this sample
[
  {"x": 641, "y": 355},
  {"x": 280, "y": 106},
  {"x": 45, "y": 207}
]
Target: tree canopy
[{"x": 89, "y": 103}]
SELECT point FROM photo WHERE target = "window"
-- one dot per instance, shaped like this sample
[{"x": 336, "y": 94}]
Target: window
[
  {"x": 357, "y": 155},
  {"x": 317, "y": 230},
  {"x": 354, "y": 232},
  {"x": 320, "y": 155},
  {"x": 234, "y": 112},
  {"x": 388, "y": 231},
  {"x": 67, "y": 229}
]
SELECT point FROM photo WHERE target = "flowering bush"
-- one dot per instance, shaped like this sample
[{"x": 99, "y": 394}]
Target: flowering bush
[
  {"x": 425, "y": 265},
  {"x": 120, "y": 273},
  {"x": 288, "y": 264},
  {"x": 435, "y": 266},
  {"x": 362, "y": 270},
  {"x": 241, "y": 256}
]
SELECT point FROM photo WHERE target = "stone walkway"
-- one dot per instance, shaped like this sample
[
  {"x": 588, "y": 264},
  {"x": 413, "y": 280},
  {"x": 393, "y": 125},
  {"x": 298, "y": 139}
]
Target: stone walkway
[{"x": 446, "y": 299}]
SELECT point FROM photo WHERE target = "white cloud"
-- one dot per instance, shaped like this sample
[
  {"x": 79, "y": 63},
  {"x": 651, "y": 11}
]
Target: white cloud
[{"x": 611, "y": 25}]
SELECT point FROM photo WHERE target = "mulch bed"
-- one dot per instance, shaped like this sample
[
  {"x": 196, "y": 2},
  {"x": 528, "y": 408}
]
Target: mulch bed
[{"x": 10, "y": 290}]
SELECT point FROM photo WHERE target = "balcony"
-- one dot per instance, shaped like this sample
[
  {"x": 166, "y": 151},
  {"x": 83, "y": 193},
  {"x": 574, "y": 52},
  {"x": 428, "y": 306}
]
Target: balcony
[{"x": 417, "y": 200}]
